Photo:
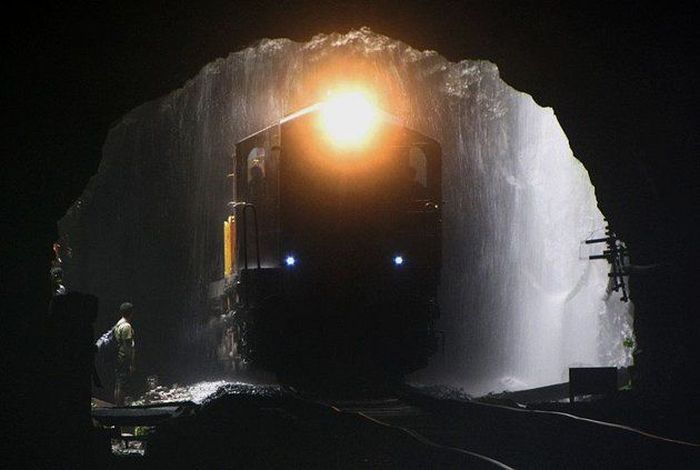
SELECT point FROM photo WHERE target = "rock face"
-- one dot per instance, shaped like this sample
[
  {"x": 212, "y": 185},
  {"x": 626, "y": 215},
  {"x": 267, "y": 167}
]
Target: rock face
[{"x": 520, "y": 300}]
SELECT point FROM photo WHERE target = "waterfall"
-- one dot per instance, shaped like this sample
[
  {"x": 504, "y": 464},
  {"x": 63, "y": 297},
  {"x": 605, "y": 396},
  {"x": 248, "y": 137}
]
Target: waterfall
[{"x": 520, "y": 300}]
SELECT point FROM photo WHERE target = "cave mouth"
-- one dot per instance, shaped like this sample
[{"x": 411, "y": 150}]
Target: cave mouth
[{"x": 520, "y": 300}]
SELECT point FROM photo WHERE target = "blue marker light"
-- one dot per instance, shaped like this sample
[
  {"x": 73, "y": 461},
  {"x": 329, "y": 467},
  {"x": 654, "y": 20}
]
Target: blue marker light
[
  {"x": 290, "y": 260},
  {"x": 398, "y": 260}
]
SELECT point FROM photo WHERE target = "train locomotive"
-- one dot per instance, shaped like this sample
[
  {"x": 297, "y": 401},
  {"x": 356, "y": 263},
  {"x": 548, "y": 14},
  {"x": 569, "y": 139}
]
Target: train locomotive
[{"x": 332, "y": 245}]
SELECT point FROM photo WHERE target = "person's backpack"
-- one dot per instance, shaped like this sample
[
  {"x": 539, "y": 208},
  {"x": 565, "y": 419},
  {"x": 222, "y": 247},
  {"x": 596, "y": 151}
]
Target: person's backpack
[{"x": 107, "y": 343}]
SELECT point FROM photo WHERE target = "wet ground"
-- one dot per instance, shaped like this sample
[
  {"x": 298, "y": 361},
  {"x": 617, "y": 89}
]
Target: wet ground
[{"x": 205, "y": 391}]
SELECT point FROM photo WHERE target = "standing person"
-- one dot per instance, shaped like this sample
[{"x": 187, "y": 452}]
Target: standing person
[{"x": 124, "y": 337}]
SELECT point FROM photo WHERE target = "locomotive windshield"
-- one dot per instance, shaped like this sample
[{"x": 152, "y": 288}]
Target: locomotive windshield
[{"x": 390, "y": 177}]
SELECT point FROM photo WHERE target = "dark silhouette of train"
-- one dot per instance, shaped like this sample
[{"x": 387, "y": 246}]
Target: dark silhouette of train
[{"x": 332, "y": 249}]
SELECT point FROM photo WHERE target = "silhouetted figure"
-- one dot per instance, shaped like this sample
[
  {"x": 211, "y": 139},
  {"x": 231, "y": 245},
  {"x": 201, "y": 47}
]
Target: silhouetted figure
[{"x": 256, "y": 184}]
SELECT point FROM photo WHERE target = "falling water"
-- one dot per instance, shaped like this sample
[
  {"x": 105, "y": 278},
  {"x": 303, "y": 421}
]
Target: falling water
[{"x": 520, "y": 300}]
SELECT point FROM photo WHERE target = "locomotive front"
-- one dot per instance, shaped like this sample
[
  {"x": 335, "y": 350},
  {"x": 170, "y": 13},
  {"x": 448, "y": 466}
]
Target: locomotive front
[{"x": 333, "y": 247}]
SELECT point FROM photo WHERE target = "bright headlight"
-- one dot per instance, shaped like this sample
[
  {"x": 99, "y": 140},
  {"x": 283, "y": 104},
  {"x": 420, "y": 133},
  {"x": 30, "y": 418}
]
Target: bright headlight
[{"x": 348, "y": 119}]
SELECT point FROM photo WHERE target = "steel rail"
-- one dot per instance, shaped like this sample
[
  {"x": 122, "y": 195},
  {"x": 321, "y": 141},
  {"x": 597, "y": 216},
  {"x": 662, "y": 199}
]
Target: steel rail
[
  {"x": 418, "y": 437},
  {"x": 429, "y": 443}
]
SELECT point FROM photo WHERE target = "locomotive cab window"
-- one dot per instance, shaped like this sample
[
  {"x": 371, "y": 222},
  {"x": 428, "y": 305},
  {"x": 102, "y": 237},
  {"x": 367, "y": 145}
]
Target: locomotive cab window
[
  {"x": 256, "y": 162},
  {"x": 417, "y": 173},
  {"x": 256, "y": 173},
  {"x": 419, "y": 164}
]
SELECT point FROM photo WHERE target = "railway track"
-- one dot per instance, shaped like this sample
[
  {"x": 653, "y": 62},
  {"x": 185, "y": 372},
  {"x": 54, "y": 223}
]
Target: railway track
[
  {"x": 402, "y": 430},
  {"x": 385, "y": 432},
  {"x": 476, "y": 435},
  {"x": 426, "y": 427}
]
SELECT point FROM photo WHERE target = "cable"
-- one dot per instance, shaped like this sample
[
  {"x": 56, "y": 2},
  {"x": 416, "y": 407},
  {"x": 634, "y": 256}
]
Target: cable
[
  {"x": 427, "y": 442},
  {"x": 594, "y": 421}
]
